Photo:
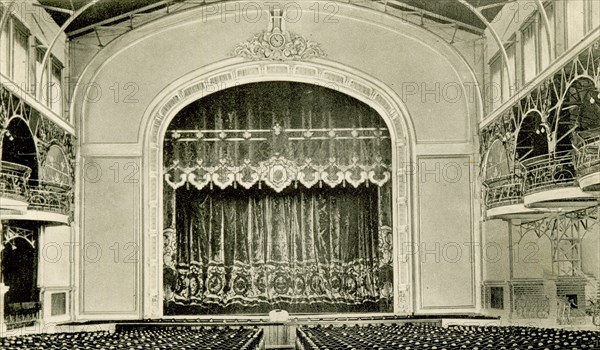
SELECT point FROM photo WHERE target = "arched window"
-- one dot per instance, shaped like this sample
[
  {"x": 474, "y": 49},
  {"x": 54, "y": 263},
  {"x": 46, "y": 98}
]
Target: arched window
[
  {"x": 56, "y": 168},
  {"x": 497, "y": 162}
]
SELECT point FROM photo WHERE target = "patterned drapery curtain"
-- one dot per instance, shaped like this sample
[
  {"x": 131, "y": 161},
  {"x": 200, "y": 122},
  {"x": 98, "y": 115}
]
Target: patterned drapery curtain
[
  {"x": 294, "y": 250},
  {"x": 277, "y": 195}
]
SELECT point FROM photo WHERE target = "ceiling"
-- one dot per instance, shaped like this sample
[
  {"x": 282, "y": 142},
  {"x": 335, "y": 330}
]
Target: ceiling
[{"x": 107, "y": 9}]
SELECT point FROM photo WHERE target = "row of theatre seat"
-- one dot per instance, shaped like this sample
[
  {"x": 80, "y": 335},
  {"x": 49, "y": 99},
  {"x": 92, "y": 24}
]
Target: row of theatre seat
[
  {"x": 386, "y": 336},
  {"x": 180, "y": 338},
  {"x": 420, "y": 336}
]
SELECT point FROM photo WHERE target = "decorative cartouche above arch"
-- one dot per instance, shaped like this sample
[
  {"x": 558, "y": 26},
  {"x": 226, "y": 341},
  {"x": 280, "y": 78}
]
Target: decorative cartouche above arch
[
  {"x": 277, "y": 44},
  {"x": 278, "y": 47}
]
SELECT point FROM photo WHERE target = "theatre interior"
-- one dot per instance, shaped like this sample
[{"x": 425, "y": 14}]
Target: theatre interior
[{"x": 390, "y": 174}]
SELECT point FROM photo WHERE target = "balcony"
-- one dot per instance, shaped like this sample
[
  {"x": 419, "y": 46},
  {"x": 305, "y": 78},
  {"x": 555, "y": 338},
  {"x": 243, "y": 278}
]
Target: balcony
[
  {"x": 49, "y": 201},
  {"x": 551, "y": 182},
  {"x": 588, "y": 164},
  {"x": 13, "y": 187},
  {"x": 504, "y": 199},
  {"x": 22, "y": 198}
]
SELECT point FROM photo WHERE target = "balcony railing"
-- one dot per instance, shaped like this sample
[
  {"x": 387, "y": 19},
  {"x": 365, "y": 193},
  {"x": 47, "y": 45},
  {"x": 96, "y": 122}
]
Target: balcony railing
[
  {"x": 49, "y": 197},
  {"x": 502, "y": 191},
  {"x": 40, "y": 195},
  {"x": 13, "y": 180},
  {"x": 18, "y": 315},
  {"x": 549, "y": 171},
  {"x": 588, "y": 156}
]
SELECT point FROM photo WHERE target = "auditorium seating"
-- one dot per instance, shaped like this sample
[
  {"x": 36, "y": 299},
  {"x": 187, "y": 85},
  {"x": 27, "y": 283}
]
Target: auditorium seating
[
  {"x": 155, "y": 338},
  {"x": 420, "y": 336},
  {"x": 384, "y": 336}
]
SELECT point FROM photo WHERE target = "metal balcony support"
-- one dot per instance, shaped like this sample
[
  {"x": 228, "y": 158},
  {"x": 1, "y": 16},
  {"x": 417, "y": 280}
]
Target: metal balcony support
[
  {"x": 9, "y": 234},
  {"x": 129, "y": 15},
  {"x": 56, "y": 9},
  {"x": 565, "y": 232}
]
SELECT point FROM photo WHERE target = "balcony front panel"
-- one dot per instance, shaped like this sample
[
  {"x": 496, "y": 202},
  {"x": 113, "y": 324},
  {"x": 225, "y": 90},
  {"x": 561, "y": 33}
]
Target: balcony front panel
[
  {"x": 49, "y": 197},
  {"x": 588, "y": 165},
  {"x": 551, "y": 182},
  {"x": 504, "y": 199},
  {"x": 503, "y": 191},
  {"x": 13, "y": 187},
  {"x": 22, "y": 198}
]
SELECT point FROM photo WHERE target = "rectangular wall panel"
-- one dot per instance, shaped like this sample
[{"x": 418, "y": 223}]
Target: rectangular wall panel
[
  {"x": 55, "y": 257},
  {"x": 445, "y": 259},
  {"x": 110, "y": 244},
  {"x": 495, "y": 251}
]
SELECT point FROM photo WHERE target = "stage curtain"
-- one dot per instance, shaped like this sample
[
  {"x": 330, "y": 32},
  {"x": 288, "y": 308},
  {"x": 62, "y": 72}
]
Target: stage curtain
[
  {"x": 277, "y": 195},
  {"x": 293, "y": 250}
]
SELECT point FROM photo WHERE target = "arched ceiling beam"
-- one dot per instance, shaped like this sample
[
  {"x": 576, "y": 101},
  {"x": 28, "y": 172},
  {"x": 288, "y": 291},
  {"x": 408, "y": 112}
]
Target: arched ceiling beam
[
  {"x": 127, "y": 15},
  {"x": 54, "y": 8},
  {"x": 549, "y": 33},
  {"x": 5, "y": 15},
  {"x": 496, "y": 37},
  {"x": 55, "y": 39}
]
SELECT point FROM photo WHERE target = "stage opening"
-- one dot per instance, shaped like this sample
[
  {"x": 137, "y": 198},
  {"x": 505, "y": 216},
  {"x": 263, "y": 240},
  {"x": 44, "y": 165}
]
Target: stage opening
[{"x": 277, "y": 195}]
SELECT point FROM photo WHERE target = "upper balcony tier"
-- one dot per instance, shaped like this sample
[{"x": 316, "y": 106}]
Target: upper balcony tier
[{"x": 548, "y": 136}]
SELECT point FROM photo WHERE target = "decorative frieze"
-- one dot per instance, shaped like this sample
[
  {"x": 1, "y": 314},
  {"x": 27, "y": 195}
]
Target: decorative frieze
[{"x": 277, "y": 44}]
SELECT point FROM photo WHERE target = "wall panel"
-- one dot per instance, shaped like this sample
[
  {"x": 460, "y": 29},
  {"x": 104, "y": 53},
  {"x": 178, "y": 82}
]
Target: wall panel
[
  {"x": 110, "y": 245},
  {"x": 445, "y": 252}
]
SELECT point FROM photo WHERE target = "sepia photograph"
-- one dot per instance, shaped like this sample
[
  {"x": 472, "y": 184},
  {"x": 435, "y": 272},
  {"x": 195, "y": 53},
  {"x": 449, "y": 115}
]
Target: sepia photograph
[{"x": 300, "y": 174}]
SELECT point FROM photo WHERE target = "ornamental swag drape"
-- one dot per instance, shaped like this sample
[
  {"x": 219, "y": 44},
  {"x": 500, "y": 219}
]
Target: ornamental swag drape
[{"x": 277, "y": 195}]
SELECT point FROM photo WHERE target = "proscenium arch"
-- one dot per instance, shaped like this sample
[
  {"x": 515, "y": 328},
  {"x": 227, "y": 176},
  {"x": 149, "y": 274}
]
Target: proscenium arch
[{"x": 173, "y": 99}]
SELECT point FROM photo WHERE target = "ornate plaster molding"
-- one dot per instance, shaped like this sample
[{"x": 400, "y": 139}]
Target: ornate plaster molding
[{"x": 278, "y": 46}]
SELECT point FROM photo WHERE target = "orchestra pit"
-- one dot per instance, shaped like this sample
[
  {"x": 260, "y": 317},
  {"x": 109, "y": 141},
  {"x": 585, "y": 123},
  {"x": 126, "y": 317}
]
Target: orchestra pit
[{"x": 309, "y": 174}]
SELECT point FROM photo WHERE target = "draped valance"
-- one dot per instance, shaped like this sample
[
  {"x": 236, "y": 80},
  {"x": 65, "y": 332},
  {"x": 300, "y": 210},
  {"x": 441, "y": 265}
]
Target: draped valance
[{"x": 248, "y": 144}]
